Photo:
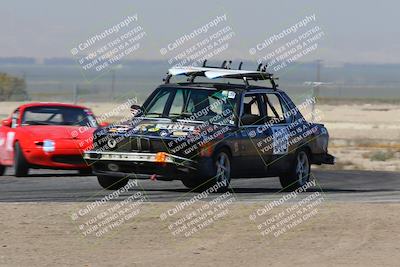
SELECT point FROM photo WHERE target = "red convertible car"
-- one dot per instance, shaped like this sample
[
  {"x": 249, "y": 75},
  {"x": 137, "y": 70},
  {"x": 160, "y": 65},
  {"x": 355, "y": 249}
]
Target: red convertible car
[{"x": 46, "y": 135}]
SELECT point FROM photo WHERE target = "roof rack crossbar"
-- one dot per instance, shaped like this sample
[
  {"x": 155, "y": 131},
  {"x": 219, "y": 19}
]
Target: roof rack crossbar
[{"x": 224, "y": 71}]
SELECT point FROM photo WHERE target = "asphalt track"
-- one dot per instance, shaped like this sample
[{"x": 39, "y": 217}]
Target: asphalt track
[{"x": 68, "y": 186}]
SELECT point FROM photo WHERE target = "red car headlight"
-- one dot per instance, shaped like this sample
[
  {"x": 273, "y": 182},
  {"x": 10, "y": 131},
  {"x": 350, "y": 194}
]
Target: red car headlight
[{"x": 47, "y": 145}]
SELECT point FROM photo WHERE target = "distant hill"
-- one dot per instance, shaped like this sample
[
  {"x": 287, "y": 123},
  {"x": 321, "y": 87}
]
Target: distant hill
[{"x": 56, "y": 78}]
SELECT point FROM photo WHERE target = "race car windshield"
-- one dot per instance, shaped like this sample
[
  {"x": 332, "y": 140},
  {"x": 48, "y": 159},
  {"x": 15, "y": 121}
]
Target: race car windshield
[
  {"x": 193, "y": 104},
  {"x": 58, "y": 116}
]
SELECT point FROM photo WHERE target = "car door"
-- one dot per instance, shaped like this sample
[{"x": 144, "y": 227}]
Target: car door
[
  {"x": 7, "y": 136},
  {"x": 279, "y": 131},
  {"x": 251, "y": 118},
  {"x": 3, "y": 140}
]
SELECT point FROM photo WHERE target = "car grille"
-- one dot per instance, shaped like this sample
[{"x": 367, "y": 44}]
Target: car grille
[
  {"x": 129, "y": 144},
  {"x": 136, "y": 144},
  {"x": 140, "y": 144}
]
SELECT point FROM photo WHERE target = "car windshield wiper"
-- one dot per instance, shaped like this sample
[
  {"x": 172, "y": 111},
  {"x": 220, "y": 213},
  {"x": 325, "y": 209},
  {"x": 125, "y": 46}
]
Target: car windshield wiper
[
  {"x": 153, "y": 113},
  {"x": 183, "y": 115}
]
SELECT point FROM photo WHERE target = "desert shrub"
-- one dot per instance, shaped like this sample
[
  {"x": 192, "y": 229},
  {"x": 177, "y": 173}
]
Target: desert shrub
[
  {"x": 12, "y": 86},
  {"x": 381, "y": 155}
]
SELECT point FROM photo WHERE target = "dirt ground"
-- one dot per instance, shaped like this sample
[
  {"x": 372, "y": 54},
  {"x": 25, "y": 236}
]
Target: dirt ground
[
  {"x": 346, "y": 234},
  {"x": 364, "y": 136}
]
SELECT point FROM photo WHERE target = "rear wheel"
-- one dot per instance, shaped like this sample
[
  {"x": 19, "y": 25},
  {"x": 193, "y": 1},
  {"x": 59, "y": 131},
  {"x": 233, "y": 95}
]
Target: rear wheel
[
  {"x": 111, "y": 183},
  {"x": 21, "y": 166},
  {"x": 299, "y": 174}
]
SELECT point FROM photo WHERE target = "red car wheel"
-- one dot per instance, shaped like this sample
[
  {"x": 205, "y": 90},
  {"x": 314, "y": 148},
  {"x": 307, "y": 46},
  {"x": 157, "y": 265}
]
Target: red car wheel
[{"x": 21, "y": 166}]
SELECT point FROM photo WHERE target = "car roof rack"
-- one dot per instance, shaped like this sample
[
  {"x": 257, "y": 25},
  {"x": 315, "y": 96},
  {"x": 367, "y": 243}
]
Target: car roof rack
[{"x": 224, "y": 71}]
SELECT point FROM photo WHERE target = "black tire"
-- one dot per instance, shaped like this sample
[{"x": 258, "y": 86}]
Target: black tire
[
  {"x": 84, "y": 172},
  {"x": 192, "y": 182},
  {"x": 111, "y": 183},
  {"x": 299, "y": 173},
  {"x": 222, "y": 173},
  {"x": 223, "y": 179},
  {"x": 2, "y": 170},
  {"x": 21, "y": 166}
]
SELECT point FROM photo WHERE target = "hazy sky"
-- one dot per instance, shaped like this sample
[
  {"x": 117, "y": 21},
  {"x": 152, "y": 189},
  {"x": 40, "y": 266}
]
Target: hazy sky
[{"x": 355, "y": 31}]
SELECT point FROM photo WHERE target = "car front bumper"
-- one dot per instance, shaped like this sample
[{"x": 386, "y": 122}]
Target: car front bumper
[
  {"x": 69, "y": 159},
  {"x": 122, "y": 164}
]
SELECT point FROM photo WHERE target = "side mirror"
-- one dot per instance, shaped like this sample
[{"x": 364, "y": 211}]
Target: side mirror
[
  {"x": 103, "y": 124},
  {"x": 6, "y": 123},
  {"x": 136, "y": 110}
]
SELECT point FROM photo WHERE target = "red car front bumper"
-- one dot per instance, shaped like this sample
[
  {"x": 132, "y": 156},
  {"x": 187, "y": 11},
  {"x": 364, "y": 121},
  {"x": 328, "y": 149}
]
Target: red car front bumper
[{"x": 65, "y": 158}]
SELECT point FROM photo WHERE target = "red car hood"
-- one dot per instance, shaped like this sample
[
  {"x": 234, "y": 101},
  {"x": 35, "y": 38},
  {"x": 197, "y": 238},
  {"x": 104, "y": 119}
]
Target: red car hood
[{"x": 59, "y": 132}]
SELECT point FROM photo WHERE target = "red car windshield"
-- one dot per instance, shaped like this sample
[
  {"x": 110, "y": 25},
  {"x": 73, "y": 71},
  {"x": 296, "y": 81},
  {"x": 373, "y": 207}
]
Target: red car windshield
[{"x": 57, "y": 115}]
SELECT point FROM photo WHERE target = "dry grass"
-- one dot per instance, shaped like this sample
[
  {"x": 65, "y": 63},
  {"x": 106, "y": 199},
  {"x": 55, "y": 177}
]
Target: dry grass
[{"x": 381, "y": 155}]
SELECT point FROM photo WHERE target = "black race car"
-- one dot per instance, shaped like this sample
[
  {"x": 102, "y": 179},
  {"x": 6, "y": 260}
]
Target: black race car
[{"x": 205, "y": 133}]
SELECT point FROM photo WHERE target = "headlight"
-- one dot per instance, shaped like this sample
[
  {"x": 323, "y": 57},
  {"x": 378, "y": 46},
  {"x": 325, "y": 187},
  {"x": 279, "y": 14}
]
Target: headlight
[{"x": 49, "y": 145}]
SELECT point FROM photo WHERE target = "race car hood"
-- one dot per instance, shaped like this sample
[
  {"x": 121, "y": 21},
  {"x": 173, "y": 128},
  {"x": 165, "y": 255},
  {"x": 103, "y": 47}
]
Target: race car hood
[
  {"x": 58, "y": 132},
  {"x": 160, "y": 128},
  {"x": 181, "y": 137}
]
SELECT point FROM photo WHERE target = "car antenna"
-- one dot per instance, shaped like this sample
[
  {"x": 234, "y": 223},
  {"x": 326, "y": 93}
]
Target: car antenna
[
  {"x": 228, "y": 66},
  {"x": 264, "y": 68},
  {"x": 223, "y": 64},
  {"x": 240, "y": 65}
]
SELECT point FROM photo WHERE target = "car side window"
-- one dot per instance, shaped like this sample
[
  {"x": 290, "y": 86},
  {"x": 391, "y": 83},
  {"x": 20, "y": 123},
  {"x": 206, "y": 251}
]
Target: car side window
[
  {"x": 251, "y": 110},
  {"x": 14, "y": 118},
  {"x": 275, "y": 108}
]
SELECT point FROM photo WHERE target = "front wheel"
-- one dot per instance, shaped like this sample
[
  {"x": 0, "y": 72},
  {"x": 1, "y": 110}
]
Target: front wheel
[
  {"x": 192, "y": 182},
  {"x": 223, "y": 170},
  {"x": 299, "y": 173},
  {"x": 2, "y": 170},
  {"x": 111, "y": 183},
  {"x": 21, "y": 166},
  {"x": 221, "y": 174}
]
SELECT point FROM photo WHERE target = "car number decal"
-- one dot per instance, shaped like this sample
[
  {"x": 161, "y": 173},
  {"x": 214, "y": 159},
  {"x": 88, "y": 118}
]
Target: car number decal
[
  {"x": 231, "y": 94},
  {"x": 10, "y": 141},
  {"x": 2, "y": 141},
  {"x": 280, "y": 136}
]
